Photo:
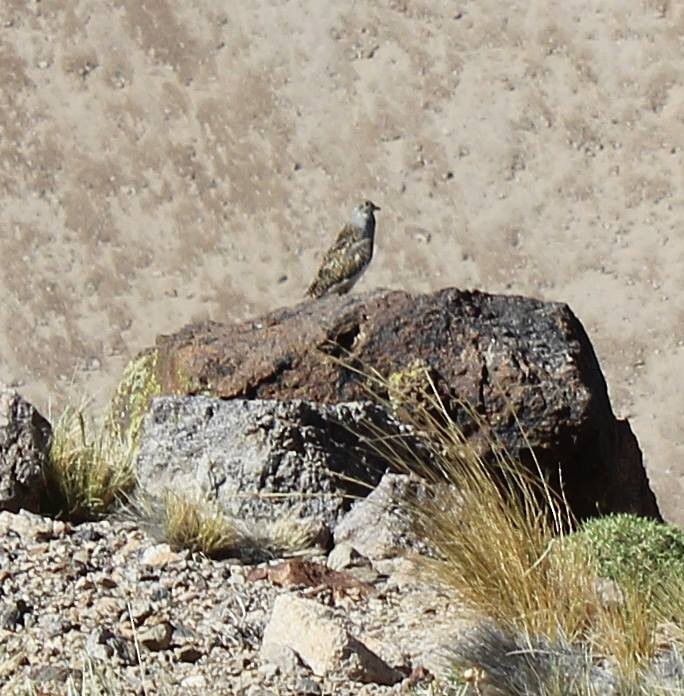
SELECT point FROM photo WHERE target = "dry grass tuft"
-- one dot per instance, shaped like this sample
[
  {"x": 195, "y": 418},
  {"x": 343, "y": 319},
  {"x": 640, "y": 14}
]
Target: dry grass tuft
[
  {"x": 88, "y": 469},
  {"x": 91, "y": 463},
  {"x": 493, "y": 527},
  {"x": 199, "y": 525},
  {"x": 194, "y": 522}
]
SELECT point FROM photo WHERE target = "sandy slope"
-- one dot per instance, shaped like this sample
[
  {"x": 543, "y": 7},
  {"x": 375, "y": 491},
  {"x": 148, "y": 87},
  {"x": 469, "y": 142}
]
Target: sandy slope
[{"x": 163, "y": 161}]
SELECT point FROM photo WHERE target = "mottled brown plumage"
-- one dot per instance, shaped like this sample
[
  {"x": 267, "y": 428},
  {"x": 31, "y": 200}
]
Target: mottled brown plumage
[{"x": 349, "y": 256}]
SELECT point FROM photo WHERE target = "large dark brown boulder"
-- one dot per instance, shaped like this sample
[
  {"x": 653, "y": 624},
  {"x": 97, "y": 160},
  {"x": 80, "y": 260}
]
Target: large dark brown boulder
[{"x": 500, "y": 354}]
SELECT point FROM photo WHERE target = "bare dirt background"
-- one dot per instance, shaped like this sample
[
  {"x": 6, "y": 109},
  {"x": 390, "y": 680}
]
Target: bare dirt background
[{"x": 162, "y": 162}]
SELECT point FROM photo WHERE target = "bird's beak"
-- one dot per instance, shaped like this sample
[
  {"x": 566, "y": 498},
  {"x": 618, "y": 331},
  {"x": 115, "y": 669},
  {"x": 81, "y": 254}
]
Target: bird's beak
[{"x": 376, "y": 207}]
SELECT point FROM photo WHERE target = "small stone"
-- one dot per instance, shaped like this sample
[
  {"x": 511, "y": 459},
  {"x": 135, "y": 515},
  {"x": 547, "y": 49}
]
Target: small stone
[
  {"x": 256, "y": 690},
  {"x": 238, "y": 575},
  {"x": 284, "y": 658},
  {"x": 87, "y": 533},
  {"x": 182, "y": 634},
  {"x": 378, "y": 526},
  {"x": 43, "y": 674},
  {"x": 345, "y": 555},
  {"x": 307, "y": 687},
  {"x": 159, "y": 555},
  {"x": 139, "y": 610},
  {"x": 194, "y": 681},
  {"x": 25, "y": 525},
  {"x": 157, "y": 637},
  {"x": 269, "y": 671},
  {"x": 82, "y": 557},
  {"x": 107, "y": 582},
  {"x": 188, "y": 653},
  {"x": 12, "y": 614},
  {"x": 97, "y": 644},
  {"x": 52, "y": 626}
]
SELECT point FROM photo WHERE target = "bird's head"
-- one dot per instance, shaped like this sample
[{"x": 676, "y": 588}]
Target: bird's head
[{"x": 363, "y": 214}]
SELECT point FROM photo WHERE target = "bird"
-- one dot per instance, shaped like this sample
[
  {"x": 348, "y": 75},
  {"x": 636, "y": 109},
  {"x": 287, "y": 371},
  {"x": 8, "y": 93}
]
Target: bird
[{"x": 349, "y": 256}]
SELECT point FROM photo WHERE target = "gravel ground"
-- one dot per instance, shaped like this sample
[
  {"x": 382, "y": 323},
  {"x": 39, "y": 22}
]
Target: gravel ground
[{"x": 158, "y": 621}]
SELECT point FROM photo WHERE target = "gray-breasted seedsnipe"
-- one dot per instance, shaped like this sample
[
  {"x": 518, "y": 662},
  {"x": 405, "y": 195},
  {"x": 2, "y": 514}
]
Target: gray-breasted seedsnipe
[{"x": 349, "y": 256}]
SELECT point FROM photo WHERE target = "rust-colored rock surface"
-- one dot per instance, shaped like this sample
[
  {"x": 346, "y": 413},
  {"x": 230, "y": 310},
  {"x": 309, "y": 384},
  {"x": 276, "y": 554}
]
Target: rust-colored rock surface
[{"x": 498, "y": 353}]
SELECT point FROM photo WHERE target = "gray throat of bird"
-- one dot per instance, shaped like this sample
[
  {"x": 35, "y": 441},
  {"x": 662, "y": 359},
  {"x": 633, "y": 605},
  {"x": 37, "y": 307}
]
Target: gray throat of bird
[{"x": 364, "y": 222}]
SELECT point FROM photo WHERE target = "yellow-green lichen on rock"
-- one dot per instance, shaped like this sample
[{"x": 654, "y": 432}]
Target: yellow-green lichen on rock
[
  {"x": 410, "y": 385},
  {"x": 139, "y": 384}
]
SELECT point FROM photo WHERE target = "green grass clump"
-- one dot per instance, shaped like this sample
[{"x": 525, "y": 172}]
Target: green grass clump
[{"x": 645, "y": 558}]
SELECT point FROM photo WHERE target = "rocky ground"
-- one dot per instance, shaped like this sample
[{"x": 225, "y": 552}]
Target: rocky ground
[
  {"x": 160, "y": 622},
  {"x": 163, "y": 162}
]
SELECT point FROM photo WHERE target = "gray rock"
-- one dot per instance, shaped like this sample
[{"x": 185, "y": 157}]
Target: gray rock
[
  {"x": 499, "y": 354},
  {"x": 344, "y": 555},
  {"x": 44, "y": 674},
  {"x": 323, "y": 643},
  {"x": 281, "y": 656},
  {"x": 307, "y": 687},
  {"x": 195, "y": 681},
  {"x": 30, "y": 527},
  {"x": 97, "y": 644},
  {"x": 188, "y": 653},
  {"x": 159, "y": 556},
  {"x": 24, "y": 445},
  {"x": 102, "y": 644},
  {"x": 139, "y": 610},
  {"x": 256, "y": 690},
  {"x": 258, "y": 458},
  {"x": 53, "y": 626},
  {"x": 12, "y": 614},
  {"x": 379, "y": 526},
  {"x": 666, "y": 674}
]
